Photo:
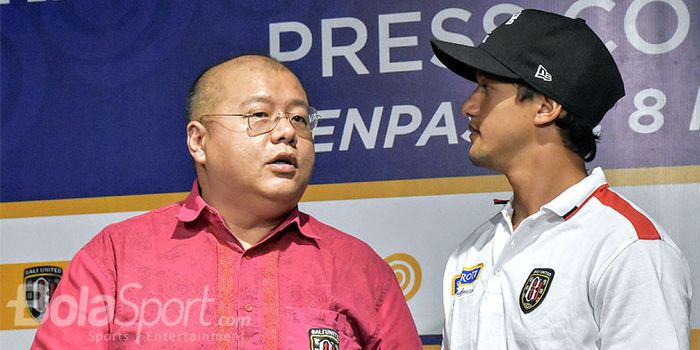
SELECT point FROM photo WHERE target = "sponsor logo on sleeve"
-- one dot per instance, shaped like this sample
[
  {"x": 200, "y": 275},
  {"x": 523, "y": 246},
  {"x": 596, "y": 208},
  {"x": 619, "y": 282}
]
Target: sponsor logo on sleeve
[
  {"x": 535, "y": 289},
  {"x": 323, "y": 339},
  {"x": 463, "y": 283}
]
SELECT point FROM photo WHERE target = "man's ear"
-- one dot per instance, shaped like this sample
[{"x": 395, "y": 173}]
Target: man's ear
[
  {"x": 549, "y": 111},
  {"x": 196, "y": 139}
]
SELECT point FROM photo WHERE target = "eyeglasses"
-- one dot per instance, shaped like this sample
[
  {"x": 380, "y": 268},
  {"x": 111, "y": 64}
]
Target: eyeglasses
[{"x": 261, "y": 122}]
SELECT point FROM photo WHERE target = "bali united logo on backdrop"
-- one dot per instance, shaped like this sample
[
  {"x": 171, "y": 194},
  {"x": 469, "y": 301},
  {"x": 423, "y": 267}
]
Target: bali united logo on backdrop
[
  {"x": 535, "y": 289},
  {"x": 39, "y": 285}
]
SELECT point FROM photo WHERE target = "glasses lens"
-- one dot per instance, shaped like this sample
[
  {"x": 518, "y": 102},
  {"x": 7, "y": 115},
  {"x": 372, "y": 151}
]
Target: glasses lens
[
  {"x": 261, "y": 122},
  {"x": 313, "y": 118}
]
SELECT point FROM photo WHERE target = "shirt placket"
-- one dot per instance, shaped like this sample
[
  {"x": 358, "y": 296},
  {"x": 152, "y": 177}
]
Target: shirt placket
[
  {"x": 491, "y": 325},
  {"x": 258, "y": 277},
  {"x": 507, "y": 245},
  {"x": 523, "y": 237},
  {"x": 229, "y": 323},
  {"x": 251, "y": 307},
  {"x": 248, "y": 297}
]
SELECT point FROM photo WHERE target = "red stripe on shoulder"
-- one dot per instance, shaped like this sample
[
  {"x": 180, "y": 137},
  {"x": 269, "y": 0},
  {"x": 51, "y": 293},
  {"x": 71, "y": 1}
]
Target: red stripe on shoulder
[
  {"x": 644, "y": 227},
  {"x": 576, "y": 209}
]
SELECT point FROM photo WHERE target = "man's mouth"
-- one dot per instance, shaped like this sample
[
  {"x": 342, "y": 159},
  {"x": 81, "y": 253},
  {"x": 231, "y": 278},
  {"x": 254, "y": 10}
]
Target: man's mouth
[{"x": 284, "y": 161}]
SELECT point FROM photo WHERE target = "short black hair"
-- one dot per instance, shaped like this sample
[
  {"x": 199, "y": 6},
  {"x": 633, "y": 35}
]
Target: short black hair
[{"x": 577, "y": 135}]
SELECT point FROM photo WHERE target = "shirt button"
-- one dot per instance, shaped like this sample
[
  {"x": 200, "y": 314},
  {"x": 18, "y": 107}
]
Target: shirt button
[
  {"x": 248, "y": 307},
  {"x": 499, "y": 272},
  {"x": 247, "y": 257}
]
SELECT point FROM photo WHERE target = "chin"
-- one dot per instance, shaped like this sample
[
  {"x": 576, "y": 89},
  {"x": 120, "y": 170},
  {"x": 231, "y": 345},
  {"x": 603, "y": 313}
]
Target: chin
[
  {"x": 475, "y": 158},
  {"x": 287, "y": 190},
  {"x": 479, "y": 160}
]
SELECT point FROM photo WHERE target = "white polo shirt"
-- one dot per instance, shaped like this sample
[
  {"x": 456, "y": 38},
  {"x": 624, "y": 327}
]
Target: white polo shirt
[{"x": 589, "y": 270}]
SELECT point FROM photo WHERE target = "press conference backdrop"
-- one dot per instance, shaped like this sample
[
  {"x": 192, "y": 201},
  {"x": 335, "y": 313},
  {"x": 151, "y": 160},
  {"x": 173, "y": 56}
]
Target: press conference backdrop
[{"x": 93, "y": 125}]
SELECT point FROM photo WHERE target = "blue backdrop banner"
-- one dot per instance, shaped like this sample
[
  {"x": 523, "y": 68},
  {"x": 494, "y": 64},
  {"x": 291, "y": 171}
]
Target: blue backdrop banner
[{"x": 93, "y": 92}]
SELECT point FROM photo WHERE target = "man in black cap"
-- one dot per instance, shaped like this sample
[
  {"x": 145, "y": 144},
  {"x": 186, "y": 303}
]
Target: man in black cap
[{"x": 568, "y": 263}]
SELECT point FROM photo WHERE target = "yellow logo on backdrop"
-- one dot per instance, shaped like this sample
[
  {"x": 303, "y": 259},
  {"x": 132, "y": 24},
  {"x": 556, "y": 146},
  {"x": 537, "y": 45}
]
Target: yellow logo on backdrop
[{"x": 408, "y": 273}]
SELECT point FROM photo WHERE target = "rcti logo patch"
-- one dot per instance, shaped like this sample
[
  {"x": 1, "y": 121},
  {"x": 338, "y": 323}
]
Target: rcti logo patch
[
  {"x": 463, "y": 283},
  {"x": 39, "y": 284},
  {"x": 535, "y": 289},
  {"x": 323, "y": 339}
]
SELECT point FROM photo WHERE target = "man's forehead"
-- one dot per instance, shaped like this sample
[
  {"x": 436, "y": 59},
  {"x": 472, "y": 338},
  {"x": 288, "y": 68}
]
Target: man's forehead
[
  {"x": 248, "y": 80},
  {"x": 259, "y": 87},
  {"x": 481, "y": 75},
  {"x": 484, "y": 75},
  {"x": 241, "y": 69}
]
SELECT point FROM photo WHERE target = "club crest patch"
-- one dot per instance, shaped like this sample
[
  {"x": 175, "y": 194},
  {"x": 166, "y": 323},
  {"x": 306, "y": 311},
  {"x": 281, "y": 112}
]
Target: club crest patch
[
  {"x": 463, "y": 283},
  {"x": 323, "y": 339},
  {"x": 535, "y": 289},
  {"x": 39, "y": 284}
]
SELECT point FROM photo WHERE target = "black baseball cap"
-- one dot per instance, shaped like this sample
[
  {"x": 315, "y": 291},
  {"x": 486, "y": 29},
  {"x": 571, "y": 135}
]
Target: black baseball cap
[{"x": 559, "y": 56}]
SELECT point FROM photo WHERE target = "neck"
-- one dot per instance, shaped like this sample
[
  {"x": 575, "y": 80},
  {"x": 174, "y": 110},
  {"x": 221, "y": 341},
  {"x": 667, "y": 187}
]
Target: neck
[
  {"x": 247, "y": 227},
  {"x": 249, "y": 217},
  {"x": 539, "y": 180}
]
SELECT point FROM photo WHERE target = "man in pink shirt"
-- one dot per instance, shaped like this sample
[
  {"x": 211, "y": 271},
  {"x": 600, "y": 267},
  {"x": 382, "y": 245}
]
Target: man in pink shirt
[{"x": 235, "y": 265}]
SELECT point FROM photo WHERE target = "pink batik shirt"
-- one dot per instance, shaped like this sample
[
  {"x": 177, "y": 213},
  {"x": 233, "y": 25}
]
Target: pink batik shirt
[{"x": 177, "y": 278}]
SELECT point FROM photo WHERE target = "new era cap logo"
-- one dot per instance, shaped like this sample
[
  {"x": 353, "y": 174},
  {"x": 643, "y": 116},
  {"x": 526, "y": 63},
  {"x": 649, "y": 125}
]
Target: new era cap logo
[
  {"x": 513, "y": 18},
  {"x": 543, "y": 74}
]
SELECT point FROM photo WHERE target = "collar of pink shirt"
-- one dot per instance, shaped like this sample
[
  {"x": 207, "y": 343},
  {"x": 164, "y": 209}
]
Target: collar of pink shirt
[{"x": 194, "y": 205}]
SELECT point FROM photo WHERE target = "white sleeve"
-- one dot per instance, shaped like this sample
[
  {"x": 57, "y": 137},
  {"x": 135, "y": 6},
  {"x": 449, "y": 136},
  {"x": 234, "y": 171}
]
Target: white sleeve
[{"x": 642, "y": 300}]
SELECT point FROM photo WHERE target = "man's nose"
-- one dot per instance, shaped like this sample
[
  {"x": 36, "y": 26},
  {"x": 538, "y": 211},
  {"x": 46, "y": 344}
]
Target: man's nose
[
  {"x": 284, "y": 131},
  {"x": 470, "y": 106}
]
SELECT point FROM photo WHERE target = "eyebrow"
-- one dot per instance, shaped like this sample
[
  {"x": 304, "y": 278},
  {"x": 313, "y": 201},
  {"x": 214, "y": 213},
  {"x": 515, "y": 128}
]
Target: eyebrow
[
  {"x": 484, "y": 75},
  {"x": 268, "y": 99},
  {"x": 298, "y": 103}
]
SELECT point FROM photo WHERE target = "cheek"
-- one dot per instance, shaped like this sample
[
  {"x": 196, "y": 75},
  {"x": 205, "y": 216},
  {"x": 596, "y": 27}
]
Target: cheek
[
  {"x": 497, "y": 118},
  {"x": 307, "y": 157},
  {"x": 236, "y": 154}
]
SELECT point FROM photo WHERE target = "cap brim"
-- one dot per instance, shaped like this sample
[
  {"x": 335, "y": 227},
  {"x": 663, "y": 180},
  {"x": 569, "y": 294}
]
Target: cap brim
[{"x": 466, "y": 60}]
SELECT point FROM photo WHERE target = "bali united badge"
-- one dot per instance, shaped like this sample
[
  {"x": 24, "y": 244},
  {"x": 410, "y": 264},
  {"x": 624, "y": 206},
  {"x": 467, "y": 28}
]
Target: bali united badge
[
  {"x": 535, "y": 289},
  {"x": 323, "y": 339},
  {"x": 40, "y": 282}
]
